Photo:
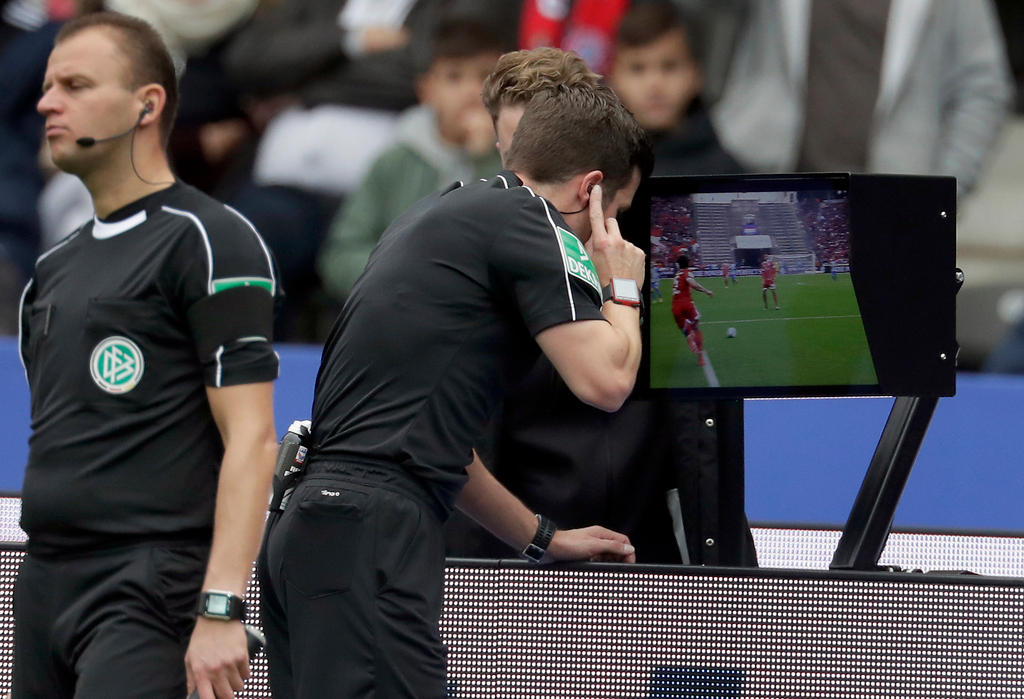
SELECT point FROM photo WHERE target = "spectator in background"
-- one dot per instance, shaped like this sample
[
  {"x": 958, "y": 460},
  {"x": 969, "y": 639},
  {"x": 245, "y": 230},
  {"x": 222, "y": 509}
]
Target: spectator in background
[
  {"x": 330, "y": 77},
  {"x": 586, "y": 27},
  {"x": 909, "y": 86},
  {"x": 446, "y": 138},
  {"x": 20, "y": 16},
  {"x": 322, "y": 82},
  {"x": 188, "y": 27},
  {"x": 656, "y": 75}
]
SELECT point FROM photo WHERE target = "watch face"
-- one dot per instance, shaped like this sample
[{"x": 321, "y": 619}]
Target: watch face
[
  {"x": 217, "y": 604},
  {"x": 625, "y": 290}
]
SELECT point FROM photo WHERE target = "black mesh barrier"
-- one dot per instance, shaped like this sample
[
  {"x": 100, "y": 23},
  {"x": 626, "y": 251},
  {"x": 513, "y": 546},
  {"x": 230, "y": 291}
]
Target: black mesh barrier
[
  {"x": 603, "y": 630},
  {"x": 788, "y": 631},
  {"x": 609, "y": 632}
]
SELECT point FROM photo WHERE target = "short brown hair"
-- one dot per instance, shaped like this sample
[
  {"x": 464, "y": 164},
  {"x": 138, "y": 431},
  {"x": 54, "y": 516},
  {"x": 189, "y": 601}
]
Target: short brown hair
[
  {"x": 520, "y": 75},
  {"x": 647, "y": 22},
  {"x": 463, "y": 38},
  {"x": 567, "y": 130},
  {"x": 146, "y": 53}
]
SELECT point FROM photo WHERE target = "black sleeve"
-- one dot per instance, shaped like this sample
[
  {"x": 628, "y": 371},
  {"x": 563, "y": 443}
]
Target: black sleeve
[
  {"x": 546, "y": 268},
  {"x": 229, "y": 286}
]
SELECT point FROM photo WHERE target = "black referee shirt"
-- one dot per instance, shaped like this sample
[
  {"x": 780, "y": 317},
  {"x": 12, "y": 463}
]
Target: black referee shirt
[
  {"x": 442, "y": 318},
  {"x": 122, "y": 326}
]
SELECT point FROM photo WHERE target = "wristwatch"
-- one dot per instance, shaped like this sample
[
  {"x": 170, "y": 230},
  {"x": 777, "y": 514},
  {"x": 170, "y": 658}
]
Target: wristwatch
[
  {"x": 220, "y": 605},
  {"x": 622, "y": 290},
  {"x": 536, "y": 549}
]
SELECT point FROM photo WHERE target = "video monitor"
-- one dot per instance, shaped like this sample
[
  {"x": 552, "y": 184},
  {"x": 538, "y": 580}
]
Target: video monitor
[{"x": 799, "y": 285}]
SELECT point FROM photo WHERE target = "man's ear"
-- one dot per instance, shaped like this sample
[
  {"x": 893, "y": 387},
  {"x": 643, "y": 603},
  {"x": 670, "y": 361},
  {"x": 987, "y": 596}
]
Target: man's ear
[
  {"x": 590, "y": 179},
  {"x": 153, "y": 98}
]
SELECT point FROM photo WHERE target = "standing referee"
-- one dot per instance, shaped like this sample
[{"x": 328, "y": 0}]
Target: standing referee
[
  {"x": 146, "y": 341},
  {"x": 452, "y": 306}
]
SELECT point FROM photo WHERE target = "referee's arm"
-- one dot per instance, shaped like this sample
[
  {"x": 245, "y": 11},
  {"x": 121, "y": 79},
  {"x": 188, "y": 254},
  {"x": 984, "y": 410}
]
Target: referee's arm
[
  {"x": 500, "y": 512},
  {"x": 598, "y": 360},
  {"x": 216, "y": 661}
]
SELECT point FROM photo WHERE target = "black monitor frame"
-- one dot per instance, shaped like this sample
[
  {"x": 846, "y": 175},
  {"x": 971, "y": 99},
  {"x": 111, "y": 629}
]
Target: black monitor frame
[{"x": 902, "y": 263}]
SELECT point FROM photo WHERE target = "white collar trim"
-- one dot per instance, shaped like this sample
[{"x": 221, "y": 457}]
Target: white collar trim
[{"x": 102, "y": 230}]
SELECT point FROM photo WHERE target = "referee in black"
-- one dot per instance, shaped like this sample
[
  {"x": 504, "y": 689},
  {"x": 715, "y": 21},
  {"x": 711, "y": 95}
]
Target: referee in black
[
  {"x": 452, "y": 306},
  {"x": 146, "y": 341}
]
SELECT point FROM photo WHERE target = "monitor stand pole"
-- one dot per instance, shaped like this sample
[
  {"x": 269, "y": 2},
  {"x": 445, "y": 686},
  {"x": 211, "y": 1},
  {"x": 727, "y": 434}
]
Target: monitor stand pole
[{"x": 871, "y": 516}]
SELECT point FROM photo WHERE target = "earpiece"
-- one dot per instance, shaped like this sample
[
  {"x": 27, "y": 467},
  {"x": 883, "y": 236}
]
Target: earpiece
[
  {"x": 148, "y": 108},
  {"x": 590, "y": 188}
]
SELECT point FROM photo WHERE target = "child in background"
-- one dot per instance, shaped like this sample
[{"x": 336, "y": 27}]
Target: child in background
[
  {"x": 656, "y": 76},
  {"x": 447, "y": 137}
]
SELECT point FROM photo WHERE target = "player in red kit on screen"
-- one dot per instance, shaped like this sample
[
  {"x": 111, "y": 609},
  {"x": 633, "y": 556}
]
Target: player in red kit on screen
[
  {"x": 683, "y": 310},
  {"x": 768, "y": 272}
]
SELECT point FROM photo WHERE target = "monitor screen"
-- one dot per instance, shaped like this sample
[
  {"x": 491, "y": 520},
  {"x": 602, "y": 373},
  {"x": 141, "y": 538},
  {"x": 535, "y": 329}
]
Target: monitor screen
[{"x": 753, "y": 287}]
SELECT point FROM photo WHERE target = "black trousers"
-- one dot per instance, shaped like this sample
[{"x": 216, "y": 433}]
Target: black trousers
[
  {"x": 110, "y": 623},
  {"x": 352, "y": 583}
]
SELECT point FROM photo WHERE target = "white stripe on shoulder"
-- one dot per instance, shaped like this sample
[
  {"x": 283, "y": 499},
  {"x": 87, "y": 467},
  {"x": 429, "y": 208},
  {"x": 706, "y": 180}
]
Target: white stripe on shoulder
[
  {"x": 59, "y": 245},
  {"x": 206, "y": 240},
  {"x": 503, "y": 180},
  {"x": 263, "y": 246},
  {"x": 21, "y": 326},
  {"x": 532, "y": 193},
  {"x": 561, "y": 251},
  {"x": 220, "y": 367}
]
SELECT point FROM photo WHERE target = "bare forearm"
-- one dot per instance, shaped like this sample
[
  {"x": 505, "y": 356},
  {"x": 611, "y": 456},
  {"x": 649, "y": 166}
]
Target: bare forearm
[
  {"x": 501, "y": 513},
  {"x": 598, "y": 360},
  {"x": 624, "y": 355},
  {"x": 494, "y": 508},
  {"x": 242, "y": 491}
]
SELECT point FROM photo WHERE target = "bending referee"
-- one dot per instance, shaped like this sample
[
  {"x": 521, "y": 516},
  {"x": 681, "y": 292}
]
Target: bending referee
[{"x": 453, "y": 304}]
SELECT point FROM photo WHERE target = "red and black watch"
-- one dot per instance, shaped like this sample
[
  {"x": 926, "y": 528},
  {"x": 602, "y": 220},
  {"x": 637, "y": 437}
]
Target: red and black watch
[{"x": 622, "y": 290}]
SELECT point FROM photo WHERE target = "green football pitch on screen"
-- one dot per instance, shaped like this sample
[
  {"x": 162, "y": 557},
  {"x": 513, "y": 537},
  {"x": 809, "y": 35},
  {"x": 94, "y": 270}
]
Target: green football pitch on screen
[{"x": 816, "y": 338}]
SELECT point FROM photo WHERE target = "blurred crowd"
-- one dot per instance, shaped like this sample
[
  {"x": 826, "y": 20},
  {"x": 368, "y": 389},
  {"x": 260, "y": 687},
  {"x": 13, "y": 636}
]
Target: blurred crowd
[{"x": 322, "y": 120}]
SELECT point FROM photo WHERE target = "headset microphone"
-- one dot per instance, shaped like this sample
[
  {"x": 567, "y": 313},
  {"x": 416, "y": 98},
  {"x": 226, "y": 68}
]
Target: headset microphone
[{"x": 89, "y": 141}]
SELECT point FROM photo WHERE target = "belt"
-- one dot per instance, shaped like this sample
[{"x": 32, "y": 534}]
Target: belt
[{"x": 388, "y": 476}]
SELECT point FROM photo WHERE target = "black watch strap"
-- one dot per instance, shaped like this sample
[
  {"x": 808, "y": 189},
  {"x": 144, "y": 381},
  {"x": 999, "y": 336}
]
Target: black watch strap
[
  {"x": 221, "y": 605},
  {"x": 536, "y": 549}
]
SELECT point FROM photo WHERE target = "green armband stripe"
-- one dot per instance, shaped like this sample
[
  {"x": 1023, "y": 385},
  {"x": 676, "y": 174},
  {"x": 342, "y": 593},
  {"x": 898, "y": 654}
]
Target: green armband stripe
[{"x": 231, "y": 282}]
